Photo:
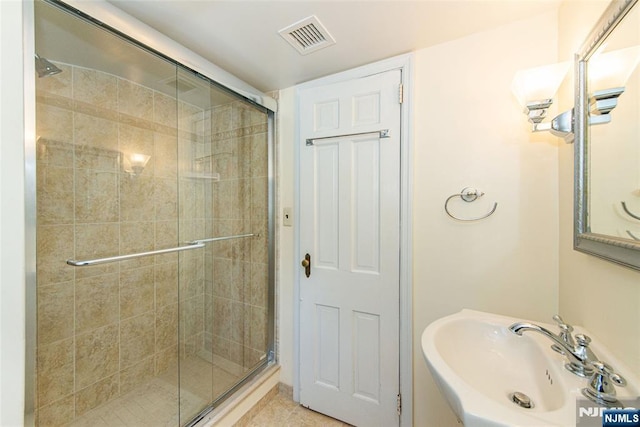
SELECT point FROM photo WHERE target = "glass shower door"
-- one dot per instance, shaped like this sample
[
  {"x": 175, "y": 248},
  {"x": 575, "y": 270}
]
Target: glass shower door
[
  {"x": 107, "y": 161},
  {"x": 154, "y": 271},
  {"x": 224, "y": 297}
]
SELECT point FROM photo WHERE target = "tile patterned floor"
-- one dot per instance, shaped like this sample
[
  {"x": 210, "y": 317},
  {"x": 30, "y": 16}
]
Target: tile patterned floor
[
  {"x": 281, "y": 411},
  {"x": 153, "y": 403}
]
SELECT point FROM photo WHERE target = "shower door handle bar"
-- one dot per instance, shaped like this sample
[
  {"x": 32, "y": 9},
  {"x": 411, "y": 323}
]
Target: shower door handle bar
[
  {"x": 217, "y": 239},
  {"x": 89, "y": 262},
  {"x": 384, "y": 133}
]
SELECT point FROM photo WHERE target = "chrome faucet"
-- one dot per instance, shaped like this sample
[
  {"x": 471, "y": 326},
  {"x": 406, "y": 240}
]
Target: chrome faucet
[
  {"x": 565, "y": 334},
  {"x": 576, "y": 349},
  {"x": 601, "y": 388}
]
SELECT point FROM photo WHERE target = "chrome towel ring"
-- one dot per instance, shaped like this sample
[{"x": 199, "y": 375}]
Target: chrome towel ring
[
  {"x": 468, "y": 194},
  {"x": 632, "y": 215}
]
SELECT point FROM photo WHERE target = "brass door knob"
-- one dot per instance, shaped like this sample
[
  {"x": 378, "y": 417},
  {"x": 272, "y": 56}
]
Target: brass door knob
[{"x": 306, "y": 263}]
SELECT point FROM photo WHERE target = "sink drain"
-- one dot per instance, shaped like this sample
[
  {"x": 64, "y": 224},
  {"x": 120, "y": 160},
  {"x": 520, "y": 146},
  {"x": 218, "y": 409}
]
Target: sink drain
[{"x": 521, "y": 399}]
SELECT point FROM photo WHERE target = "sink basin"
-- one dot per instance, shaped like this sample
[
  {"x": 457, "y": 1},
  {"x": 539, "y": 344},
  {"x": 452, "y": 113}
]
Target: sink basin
[{"x": 479, "y": 365}]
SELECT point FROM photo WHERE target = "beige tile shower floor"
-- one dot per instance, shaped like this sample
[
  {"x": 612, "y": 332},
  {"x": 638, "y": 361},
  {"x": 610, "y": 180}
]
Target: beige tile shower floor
[
  {"x": 281, "y": 411},
  {"x": 153, "y": 403}
]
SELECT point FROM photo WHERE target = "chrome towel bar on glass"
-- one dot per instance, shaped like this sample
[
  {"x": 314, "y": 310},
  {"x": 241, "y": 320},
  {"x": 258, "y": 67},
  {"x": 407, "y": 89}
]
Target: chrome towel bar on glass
[
  {"x": 89, "y": 262},
  {"x": 384, "y": 133},
  {"x": 468, "y": 194},
  {"x": 195, "y": 244},
  {"x": 217, "y": 239}
]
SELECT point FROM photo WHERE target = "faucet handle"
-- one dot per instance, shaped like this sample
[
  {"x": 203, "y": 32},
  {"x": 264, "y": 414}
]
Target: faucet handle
[
  {"x": 565, "y": 327},
  {"x": 565, "y": 334},
  {"x": 585, "y": 367},
  {"x": 583, "y": 341},
  {"x": 607, "y": 371},
  {"x": 601, "y": 385}
]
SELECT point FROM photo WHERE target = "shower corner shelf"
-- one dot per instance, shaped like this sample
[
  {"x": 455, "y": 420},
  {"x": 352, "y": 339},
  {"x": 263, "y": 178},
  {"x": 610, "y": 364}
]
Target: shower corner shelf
[{"x": 201, "y": 175}]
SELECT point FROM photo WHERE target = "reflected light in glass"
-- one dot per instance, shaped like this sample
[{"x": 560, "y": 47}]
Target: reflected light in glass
[
  {"x": 612, "y": 69},
  {"x": 137, "y": 163}
]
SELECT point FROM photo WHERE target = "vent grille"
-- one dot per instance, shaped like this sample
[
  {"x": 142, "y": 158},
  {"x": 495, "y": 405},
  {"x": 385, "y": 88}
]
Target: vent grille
[{"x": 307, "y": 35}]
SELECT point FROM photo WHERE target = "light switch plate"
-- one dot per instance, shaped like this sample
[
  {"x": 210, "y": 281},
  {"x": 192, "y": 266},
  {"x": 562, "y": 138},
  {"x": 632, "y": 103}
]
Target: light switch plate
[{"x": 287, "y": 217}]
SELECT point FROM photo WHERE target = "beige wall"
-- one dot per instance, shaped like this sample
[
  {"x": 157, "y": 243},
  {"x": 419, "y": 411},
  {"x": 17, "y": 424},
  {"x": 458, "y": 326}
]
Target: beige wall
[
  {"x": 287, "y": 259},
  {"x": 599, "y": 295},
  {"x": 468, "y": 131}
]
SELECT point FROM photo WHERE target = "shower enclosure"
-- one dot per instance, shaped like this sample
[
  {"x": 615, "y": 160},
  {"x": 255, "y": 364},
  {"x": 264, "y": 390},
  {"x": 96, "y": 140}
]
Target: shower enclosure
[{"x": 154, "y": 258}]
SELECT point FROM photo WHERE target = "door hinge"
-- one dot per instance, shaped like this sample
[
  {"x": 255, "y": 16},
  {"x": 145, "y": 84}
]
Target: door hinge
[
  {"x": 399, "y": 404},
  {"x": 401, "y": 93}
]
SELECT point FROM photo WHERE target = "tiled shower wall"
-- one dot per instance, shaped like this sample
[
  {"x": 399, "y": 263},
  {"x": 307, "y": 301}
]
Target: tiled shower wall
[
  {"x": 238, "y": 284},
  {"x": 104, "y": 330}
]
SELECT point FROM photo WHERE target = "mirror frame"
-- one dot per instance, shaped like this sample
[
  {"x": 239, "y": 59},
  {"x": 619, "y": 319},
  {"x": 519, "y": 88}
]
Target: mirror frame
[{"x": 615, "y": 249}]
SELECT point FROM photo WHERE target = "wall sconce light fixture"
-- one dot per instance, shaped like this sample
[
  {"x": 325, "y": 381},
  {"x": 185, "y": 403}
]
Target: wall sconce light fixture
[
  {"x": 612, "y": 69},
  {"x": 608, "y": 74},
  {"x": 601, "y": 103},
  {"x": 535, "y": 88},
  {"x": 135, "y": 163}
]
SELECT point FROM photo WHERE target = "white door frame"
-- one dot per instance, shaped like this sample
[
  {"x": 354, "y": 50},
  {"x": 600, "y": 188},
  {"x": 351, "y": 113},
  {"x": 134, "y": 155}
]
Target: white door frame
[{"x": 404, "y": 63}]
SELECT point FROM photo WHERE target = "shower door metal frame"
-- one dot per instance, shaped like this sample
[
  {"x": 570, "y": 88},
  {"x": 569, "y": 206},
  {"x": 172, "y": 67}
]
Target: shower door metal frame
[
  {"x": 30, "y": 212},
  {"x": 112, "y": 19}
]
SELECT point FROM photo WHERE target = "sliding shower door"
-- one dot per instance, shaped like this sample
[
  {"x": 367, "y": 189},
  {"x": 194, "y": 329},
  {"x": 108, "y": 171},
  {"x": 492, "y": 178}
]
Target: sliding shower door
[
  {"x": 224, "y": 290},
  {"x": 107, "y": 185},
  {"x": 154, "y": 285}
]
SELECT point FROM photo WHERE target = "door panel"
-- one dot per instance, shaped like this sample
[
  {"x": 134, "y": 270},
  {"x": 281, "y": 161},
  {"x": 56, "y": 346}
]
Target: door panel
[
  {"x": 366, "y": 349},
  {"x": 349, "y": 216},
  {"x": 326, "y": 208},
  {"x": 328, "y": 348},
  {"x": 365, "y": 218}
]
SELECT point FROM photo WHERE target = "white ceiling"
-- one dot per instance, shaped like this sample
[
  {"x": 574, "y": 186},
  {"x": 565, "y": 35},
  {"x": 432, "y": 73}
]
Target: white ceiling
[{"x": 242, "y": 36}]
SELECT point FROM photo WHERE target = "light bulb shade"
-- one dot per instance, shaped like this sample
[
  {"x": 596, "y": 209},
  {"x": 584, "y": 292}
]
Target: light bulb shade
[
  {"x": 534, "y": 84},
  {"x": 136, "y": 162},
  {"x": 612, "y": 69},
  {"x": 139, "y": 160}
]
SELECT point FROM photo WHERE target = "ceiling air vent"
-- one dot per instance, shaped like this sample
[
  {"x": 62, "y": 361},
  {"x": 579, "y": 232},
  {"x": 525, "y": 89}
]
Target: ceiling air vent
[{"x": 307, "y": 35}]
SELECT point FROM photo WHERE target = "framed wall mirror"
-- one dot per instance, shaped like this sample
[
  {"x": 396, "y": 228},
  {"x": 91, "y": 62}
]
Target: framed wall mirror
[{"x": 607, "y": 131}]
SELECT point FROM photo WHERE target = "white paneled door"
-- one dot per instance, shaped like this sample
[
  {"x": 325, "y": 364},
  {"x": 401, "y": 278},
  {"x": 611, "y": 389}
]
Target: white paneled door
[{"x": 350, "y": 228}]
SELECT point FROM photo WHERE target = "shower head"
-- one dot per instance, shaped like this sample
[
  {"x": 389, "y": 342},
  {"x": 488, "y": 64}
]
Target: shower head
[{"x": 44, "y": 68}]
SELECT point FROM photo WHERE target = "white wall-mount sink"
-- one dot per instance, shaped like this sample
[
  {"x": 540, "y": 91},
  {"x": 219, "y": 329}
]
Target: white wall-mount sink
[{"x": 478, "y": 364}]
